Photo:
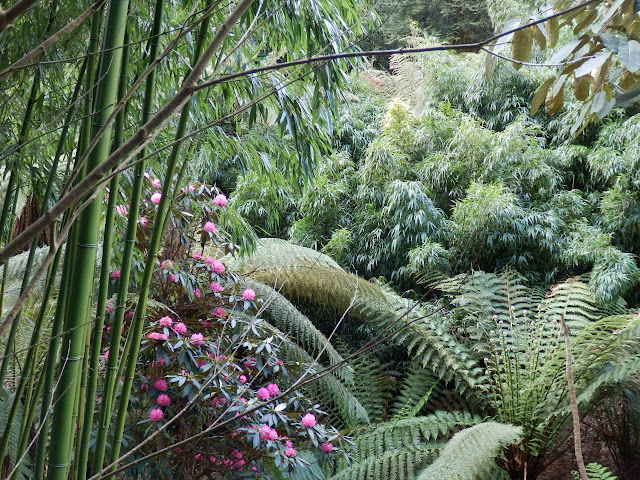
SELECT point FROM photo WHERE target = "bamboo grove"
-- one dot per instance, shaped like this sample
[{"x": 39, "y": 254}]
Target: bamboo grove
[{"x": 403, "y": 318}]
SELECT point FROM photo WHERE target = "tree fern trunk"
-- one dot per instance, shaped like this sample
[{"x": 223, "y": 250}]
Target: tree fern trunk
[{"x": 84, "y": 265}]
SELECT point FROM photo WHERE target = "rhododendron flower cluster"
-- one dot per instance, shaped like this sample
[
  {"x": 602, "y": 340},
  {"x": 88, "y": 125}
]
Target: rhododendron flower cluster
[
  {"x": 115, "y": 274},
  {"x": 216, "y": 265},
  {"x": 268, "y": 433},
  {"x": 157, "y": 336},
  {"x": 209, "y": 227},
  {"x": 180, "y": 328},
  {"x": 165, "y": 321},
  {"x": 156, "y": 414},
  {"x": 221, "y": 200},
  {"x": 161, "y": 385},
  {"x": 249, "y": 294},
  {"x": 197, "y": 339},
  {"x": 309, "y": 420},
  {"x": 156, "y": 197},
  {"x": 216, "y": 287},
  {"x": 167, "y": 264},
  {"x": 163, "y": 400}
]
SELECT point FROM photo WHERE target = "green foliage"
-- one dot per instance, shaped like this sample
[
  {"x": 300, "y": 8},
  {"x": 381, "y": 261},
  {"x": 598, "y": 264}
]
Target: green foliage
[
  {"x": 596, "y": 472},
  {"x": 470, "y": 452},
  {"x": 398, "y": 449}
]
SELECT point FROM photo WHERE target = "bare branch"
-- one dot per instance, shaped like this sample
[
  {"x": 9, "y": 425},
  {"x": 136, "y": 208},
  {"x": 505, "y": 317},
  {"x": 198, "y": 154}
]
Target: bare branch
[
  {"x": 7, "y": 17},
  {"x": 68, "y": 28}
]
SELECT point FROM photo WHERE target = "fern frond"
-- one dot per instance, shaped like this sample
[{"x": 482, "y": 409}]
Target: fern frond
[
  {"x": 397, "y": 449},
  {"x": 286, "y": 317},
  {"x": 596, "y": 472},
  {"x": 372, "y": 386},
  {"x": 328, "y": 390},
  {"x": 470, "y": 453}
]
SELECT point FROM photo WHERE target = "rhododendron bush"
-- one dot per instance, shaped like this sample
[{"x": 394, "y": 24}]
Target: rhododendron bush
[{"x": 209, "y": 366}]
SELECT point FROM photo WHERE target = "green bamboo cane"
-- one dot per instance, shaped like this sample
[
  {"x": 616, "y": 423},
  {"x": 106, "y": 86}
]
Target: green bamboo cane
[
  {"x": 35, "y": 338},
  {"x": 67, "y": 272},
  {"x": 154, "y": 246},
  {"x": 127, "y": 256},
  {"x": 52, "y": 355},
  {"x": 103, "y": 290},
  {"x": 32, "y": 407},
  {"x": 84, "y": 265},
  {"x": 21, "y": 138}
]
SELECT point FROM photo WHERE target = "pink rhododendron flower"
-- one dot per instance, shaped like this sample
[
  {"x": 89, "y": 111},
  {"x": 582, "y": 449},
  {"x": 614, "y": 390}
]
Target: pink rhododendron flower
[
  {"x": 197, "y": 339},
  {"x": 217, "y": 266},
  {"x": 267, "y": 433},
  {"x": 162, "y": 362},
  {"x": 251, "y": 361},
  {"x": 197, "y": 293},
  {"x": 218, "y": 401},
  {"x": 122, "y": 209},
  {"x": 166, "y": 321},
  {"x": 128, "y": 314},
  {"x": 143, "y": 221},
  {"x": 309, "y": 420},
  {"x": 243, "y": 379},
  {"x": 221, "y": 200},
  {"x": 156, "y": 183},
  {"x": 156, "y": 197},
  {"x": 209, "y": 227},
  {"x": 163, "y": 400},
  {"x": 327, "y": 447},
  {"x": 110, "y": 307},
  {"x": 106, "y": 354},
  {"x": 220, "y": 312},
  {"x": 172, "y": 277},
  {"x": 157, "y": 336},
  {"x": 237, "y": 453},
  {"x": 198, "y": 456},
  {"x": 167, "y": 264},
  {"x": 115, "y": 274},
  {"x": 161, "y": 385},
  {"x": 206, "y": 324},
  {"x": 249, "y": 294},
  {"x": 180, "y": 328},
  {"x": 216, "y": 287},
  {"x": 156, "y": 414},
  {"x": 263, "y": 394},
  {"x": 273, "y": 389},
  {"x": 290, "y": 452},
  {"x": 147, "y": 175}
]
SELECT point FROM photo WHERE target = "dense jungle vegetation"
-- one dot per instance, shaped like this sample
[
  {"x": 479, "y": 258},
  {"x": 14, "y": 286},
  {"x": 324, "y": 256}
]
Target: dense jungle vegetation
[{"x": 320, "y": 240}]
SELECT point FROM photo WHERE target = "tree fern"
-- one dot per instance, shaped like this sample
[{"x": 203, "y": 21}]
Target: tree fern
[
  {"x": 286, "y": 317},
  {"x": 397, "y": 449},
  {"x": 470, "y": 453}
]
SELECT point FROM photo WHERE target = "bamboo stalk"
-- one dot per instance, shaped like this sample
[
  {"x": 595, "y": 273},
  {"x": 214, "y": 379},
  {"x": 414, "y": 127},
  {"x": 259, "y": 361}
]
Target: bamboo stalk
[
  {"x": 103, "y": 290},
  {"x": 84, "y": 265},
  {"x": 154, "y": 246}
]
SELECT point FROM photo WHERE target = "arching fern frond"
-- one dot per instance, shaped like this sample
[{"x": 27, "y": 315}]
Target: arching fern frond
[
  {"x": 397, "y": 449},
  {"x": 286, "y": 317},
  {"x": 471, "y": 452}
]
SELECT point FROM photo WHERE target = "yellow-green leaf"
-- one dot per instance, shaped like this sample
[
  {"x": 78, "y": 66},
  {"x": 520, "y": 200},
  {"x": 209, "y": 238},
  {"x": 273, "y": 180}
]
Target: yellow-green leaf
[
  {"x": 540, "y": 95},
  {"x": 521, "y": 45},
  {"x": 581, "y": 88}
]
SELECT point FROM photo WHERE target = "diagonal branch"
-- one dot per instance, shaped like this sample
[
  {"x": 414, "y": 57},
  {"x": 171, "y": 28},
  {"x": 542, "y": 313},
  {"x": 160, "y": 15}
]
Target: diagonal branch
[
  {"x": 7, "y": 17},
  {"x": 36, "y": 52}
]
